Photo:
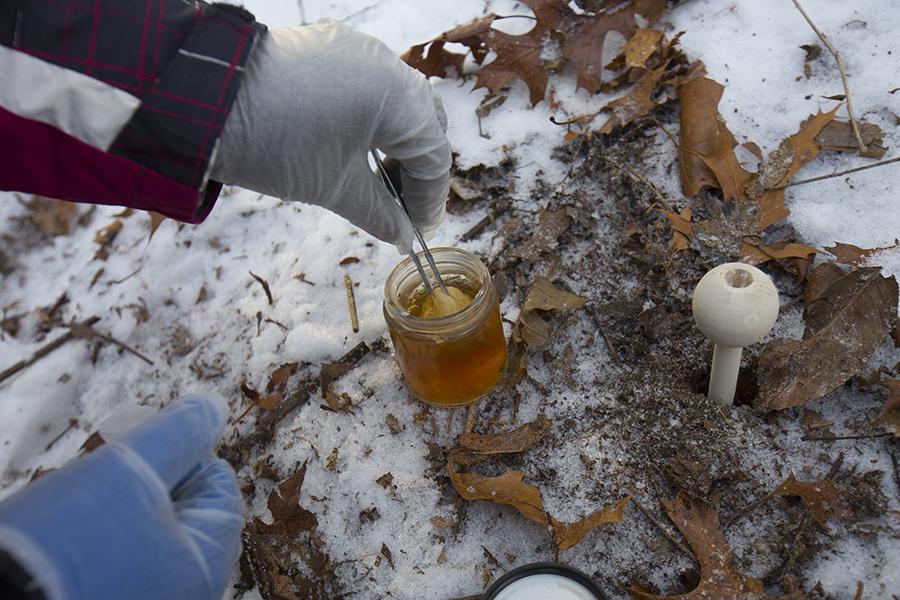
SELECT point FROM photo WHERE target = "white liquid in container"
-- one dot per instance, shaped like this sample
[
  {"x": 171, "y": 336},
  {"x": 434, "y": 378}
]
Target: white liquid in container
[{"x": 545, "y": 587}]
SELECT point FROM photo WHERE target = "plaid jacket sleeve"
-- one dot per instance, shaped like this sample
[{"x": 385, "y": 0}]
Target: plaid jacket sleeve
[{"x": 119, "y": 101}]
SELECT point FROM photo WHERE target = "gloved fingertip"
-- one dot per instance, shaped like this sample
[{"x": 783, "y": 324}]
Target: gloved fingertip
[{"x": 211, "y": 405}]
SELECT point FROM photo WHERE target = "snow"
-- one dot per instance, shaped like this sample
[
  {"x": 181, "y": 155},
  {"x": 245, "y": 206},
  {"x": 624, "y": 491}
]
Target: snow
[{"x": 751, "y": 47}]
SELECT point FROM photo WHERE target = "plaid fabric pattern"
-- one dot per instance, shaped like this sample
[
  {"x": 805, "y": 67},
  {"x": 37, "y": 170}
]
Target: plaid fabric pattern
[{"x": 182, "y": 58}]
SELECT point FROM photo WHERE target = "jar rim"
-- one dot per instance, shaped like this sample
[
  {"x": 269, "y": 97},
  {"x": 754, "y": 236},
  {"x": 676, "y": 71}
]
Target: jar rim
[{"x": 436, "y": 323}]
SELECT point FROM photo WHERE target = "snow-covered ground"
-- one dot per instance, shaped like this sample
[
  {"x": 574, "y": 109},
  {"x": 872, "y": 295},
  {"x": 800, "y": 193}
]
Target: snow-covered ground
[{"x": 750, "y": 47}]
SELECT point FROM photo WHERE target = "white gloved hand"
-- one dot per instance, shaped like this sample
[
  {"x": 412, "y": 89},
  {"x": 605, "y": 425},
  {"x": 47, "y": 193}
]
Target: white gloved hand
[{"x": 313, "y": 102}]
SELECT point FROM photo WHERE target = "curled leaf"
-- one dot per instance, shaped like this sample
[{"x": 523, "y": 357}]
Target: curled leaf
[
  {"x": 719, "y": 577},
  {"x": 822, "y": 497},
  {"x": 507, "y": 488},
  {"x": 844, "y": 325},
  {"x": 567, "y": 535}
]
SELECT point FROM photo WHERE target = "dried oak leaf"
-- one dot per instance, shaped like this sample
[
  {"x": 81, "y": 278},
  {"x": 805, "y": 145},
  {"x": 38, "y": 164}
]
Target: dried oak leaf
[
  {"x": 551, "y": 224},
  {"x": 819, "y": 280},
  {"x": 636, "y": 103},
  {"x": 890, "y": 414},
  {"x": 55, "y": 217},
  {"x": 105, "y": 237},
  {"x": 682, "y": 230},
  {"x": 822, "y": 498},
  {"x": 854, "y": 255},
  {"x": 435, "y": 61},
  {"x": 474, "y": 448},
  {"x": 641, "y": 45},
  {"x": 504, "y": 489},
  {"x": 156, "y": 220},
  {"x": 706, "y": 146},
  {"x": 585, "y": 37},
  {"x": 838, "y": 136},
  {"x": 719, "y": 577},
  {"x": 531, "y": 327},
  {"x": 844, "y": 326},
  {"x": 793, "y": 256},
  {"x": 567, "y": 535},
  {"x": 279, "y": 378},
  {"x": 289, "y": 519}
]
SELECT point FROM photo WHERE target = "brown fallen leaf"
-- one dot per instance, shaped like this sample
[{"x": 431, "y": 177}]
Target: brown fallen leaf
[
  {"x": 105, "y": 237},
  {"x": 156, "y": 220},
  {"x": 507, "y": 488},
  {"x": 719, "y": 577},
  {"x": 55, "y": 217},
  {"x": 289, "y": 519},
  {"x": 838, "y": 136},
  {"x": 636, "y": 103},
  {"x": 584, "y": 39},
  {"x": 436, "y": 60},
  {"x": 890, "y": 413},
  {"x": 279, "y": 378},
  {"x": 819, "y": 280},
  {"x": 474, "y": 448},
  {"x": 640, "y": 46},
  {"x": 682, "y": 230},
  {"x": 531, "y": 327},
  {"x": 706, "y": 146},
  {"x": 551, "y": 224},
  {"x": 350, "y": 260},
  {"x": 793, "y": 153},
  {"x": 793, "y": 256},
  {"x": 854, "y": 255},
  {"x": 844, "y": 326},
  {"x": 822, "y": 497},
  {"x": 567, "y": 535},
  {"x": 652, "y": 10}
]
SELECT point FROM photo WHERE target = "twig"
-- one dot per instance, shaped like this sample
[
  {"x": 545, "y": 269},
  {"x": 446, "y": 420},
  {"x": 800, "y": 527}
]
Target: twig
[
  {"x": 43, "y": 351},
  {"x": 667, "y": 132},
  {"x": 267, "y": 424},
  {"x": 838, "y": 174},
  {"x": 663, "y": 529},
  {"x": 265, "y": 286},
  {"x": 853, "y": 123},
  {"x": 351, "y": 303},
  {"x": 470, "y": 418},
  {"x": 831, "y": 438},
  {"x": 88, "y": 332},
  {"x": 746, "y": 510},
  {"x": 896, "y": 470},
  {"x": 640, "y": 178},
  {"x": 126, "y": 278},
  {"x": 481, "y": 225},
  {"x": 72, "y": 423}
]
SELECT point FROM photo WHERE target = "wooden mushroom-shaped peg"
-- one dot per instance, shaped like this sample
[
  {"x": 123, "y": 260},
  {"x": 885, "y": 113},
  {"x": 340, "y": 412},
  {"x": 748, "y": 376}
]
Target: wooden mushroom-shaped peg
[{"x": 734, "y": 305}]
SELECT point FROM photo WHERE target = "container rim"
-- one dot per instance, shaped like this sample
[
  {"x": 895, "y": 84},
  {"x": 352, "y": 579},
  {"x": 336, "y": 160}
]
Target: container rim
[
  {"x": 398, "y": 311},
  {"x": 543, "y": 568}
]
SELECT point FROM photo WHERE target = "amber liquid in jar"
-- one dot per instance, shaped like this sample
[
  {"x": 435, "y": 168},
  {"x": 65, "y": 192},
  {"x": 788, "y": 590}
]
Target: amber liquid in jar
[{"x": 454, "y": 359}]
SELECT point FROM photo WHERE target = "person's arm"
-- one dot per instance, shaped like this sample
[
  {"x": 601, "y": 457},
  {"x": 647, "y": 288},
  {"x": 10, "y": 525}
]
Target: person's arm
[
  {"x": 150, "y": 104},
  {"x": 119, "y": 102},
  {"x": 150, "y": 515}
]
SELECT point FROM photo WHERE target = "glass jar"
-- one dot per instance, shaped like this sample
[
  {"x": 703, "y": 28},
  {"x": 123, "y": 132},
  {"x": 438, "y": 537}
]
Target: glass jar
[{"x": 451, "y": 360}]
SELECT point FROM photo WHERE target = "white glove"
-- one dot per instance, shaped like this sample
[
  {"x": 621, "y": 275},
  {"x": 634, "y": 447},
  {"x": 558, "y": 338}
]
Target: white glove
[{"x": 313, "y": 102}]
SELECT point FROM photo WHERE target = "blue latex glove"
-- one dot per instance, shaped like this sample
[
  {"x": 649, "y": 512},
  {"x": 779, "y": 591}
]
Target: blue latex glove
[{"x": 152, "y": 514}]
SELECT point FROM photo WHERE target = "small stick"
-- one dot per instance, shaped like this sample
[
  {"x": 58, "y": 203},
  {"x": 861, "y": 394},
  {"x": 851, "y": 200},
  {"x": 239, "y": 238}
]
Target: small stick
[
  {"x": 640, "y": 178},
  {"x": 746, "y": 510},
  {"x": 667, "y": 132},
  {"x": 72, "y": 423},
  {"x": 831, "y": 438},
  {"x": 43, "y": 351},
  {"x": 265, "y": 286},
  {"x": 838, "y": 174},
  {"x": 89, "y": 332},
  {"x": 470, "y": 418},
  {"x": 476, "y": 229},
  {"x": 663, "y": 529},
  {"x": 351, "y": 303},
  {"x": 853, "y": 123}
]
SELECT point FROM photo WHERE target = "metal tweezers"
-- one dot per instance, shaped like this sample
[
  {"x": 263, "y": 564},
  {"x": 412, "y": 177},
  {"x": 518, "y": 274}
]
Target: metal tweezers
[{"x": 412, "y": 254}]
